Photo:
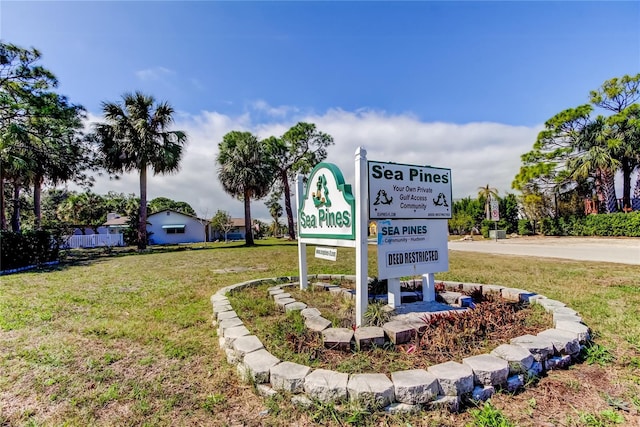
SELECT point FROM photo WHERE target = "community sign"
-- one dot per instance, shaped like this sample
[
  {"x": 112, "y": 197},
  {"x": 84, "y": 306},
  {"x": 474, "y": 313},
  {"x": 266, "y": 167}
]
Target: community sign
[
  {"x": 398, "y": 191},
  {"x": 412, "y": 247},
  {"x": 327, "y": 209}
]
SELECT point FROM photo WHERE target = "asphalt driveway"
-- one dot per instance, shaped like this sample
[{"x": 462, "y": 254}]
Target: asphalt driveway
[{"x": 622, "y": 250}]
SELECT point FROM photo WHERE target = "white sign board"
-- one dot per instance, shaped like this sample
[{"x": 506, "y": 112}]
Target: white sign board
[
  {"x": 398, "y": 191},
  {"x": 412, "y": 247},
  {"x": 495, "y": 210},
  {"x": 327, "y": 209},
  {"x": 326, "y": 253}
]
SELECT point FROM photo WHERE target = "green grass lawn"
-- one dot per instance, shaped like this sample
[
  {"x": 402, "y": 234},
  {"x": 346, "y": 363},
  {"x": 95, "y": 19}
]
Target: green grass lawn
[{"x": 126, "y": 339}]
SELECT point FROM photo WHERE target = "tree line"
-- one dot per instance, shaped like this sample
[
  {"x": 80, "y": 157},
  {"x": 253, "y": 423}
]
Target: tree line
[
  {"x": 43, "y": 142},
  {"x": 581, "y": 149},
  {"x": 40, "y": 133},
  {"x": 570, "y": 171},
  {"x": 86, "y": 211}
]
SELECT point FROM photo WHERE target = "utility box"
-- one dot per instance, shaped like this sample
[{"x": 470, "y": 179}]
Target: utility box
[{"x": 497, "y": 234}]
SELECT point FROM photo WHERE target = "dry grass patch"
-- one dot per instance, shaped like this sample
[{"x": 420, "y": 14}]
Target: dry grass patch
[{"x": 581, "y": 396}]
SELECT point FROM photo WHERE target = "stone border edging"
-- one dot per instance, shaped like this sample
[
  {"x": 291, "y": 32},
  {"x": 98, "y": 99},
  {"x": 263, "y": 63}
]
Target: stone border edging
[
  {"x": 28, "y": 267},
  {"x": 439, "y": 386}
]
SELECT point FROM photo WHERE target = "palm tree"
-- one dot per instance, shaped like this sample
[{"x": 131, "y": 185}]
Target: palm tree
[
  {"x": 11, "y": 166},
  {"x": 245, "y": 171},
  {"x": 620, "y": 96},
  {"x": 596, "y": 159},
  {"x": 625, "y": 148},
  {"x": 135, "y": 136},
  {"x": 275, "y": 210},
  {"x": 486, "y": 193}
]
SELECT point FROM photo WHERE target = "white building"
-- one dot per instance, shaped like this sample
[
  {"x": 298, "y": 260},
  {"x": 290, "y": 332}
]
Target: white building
[
  {"x": 171, "y": 227},
  {"x": 115, "y": 224}
]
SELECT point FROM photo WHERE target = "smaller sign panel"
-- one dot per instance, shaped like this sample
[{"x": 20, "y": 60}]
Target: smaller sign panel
[
  {"x": 399, "y": 191},
  {"x": 326, "y": 253},
  {"x": 495, "y": 210},
  {"x": 412, "y": 247}
]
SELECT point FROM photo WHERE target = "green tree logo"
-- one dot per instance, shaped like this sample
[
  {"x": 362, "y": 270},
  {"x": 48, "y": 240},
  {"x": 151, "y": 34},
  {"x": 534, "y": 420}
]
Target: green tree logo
[{"x": 321, "y": 196}]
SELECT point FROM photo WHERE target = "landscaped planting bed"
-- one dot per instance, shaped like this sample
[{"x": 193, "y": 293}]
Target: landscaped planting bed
[
  {"x": 444, "y": 337},
  {"x": 295, "y": 361}
]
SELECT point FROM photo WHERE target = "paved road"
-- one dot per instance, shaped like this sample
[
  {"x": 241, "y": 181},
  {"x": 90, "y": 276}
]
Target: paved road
[{"x": 625, "y": 251}]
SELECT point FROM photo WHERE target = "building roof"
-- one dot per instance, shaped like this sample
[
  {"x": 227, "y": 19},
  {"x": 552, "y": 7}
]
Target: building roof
[
  {"x": 180, "y": 213},
  {"x": 120, "y": 221},
  {"x": 124, "y": 220}
]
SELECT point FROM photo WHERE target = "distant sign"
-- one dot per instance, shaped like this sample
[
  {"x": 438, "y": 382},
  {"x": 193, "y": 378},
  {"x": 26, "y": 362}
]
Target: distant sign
[
  {"x": 495, "y": 210},
  {"x": 327, "y": 209},
  {"x": 326, "y": 253},
  {"x": 399, "y": 191},
  {"x": 412, "y": 247}
]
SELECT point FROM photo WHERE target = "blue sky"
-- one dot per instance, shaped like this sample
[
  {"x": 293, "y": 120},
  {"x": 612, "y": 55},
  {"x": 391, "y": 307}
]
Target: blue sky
[{"x": 464, "y": 85}]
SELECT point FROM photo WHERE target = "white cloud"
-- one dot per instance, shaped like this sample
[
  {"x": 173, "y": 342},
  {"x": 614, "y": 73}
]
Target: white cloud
[
  {"x": 154, "y": 73},
  {"x": 477, "y": 153},
  {"x": 277, "y": 112}
]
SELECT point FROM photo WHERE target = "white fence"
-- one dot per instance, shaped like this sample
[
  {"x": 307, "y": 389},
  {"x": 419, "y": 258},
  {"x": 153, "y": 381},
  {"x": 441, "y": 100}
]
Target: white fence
[{"x": 93, "y": 240}]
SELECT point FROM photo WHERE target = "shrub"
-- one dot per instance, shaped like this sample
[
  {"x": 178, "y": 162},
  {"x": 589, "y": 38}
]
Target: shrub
[
  {"x": 485, "y": 227},
  {"x": 555, "y": 227},
  {"x": 376, "y": 314},
  {"x": 25, "y": 249},
  {"x": 488, "y": 225},
  {"x": 547, "y": 227},
  {"x": 613, "y": 225},
  {"x": 507, "y": 226},
  {"x": 616, "y": 224},
  {"x": 524, "y": 227}
]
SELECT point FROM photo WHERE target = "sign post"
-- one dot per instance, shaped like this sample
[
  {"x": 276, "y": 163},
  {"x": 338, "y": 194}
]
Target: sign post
[
  {"x": 494, "y": 210},
  {"x": 362, "y": 254},
  {"x": 302, "y": 246}
]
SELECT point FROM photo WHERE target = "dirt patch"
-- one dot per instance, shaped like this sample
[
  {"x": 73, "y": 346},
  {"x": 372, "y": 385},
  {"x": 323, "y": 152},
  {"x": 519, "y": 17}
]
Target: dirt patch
[{"x": 582, "y": 395}]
